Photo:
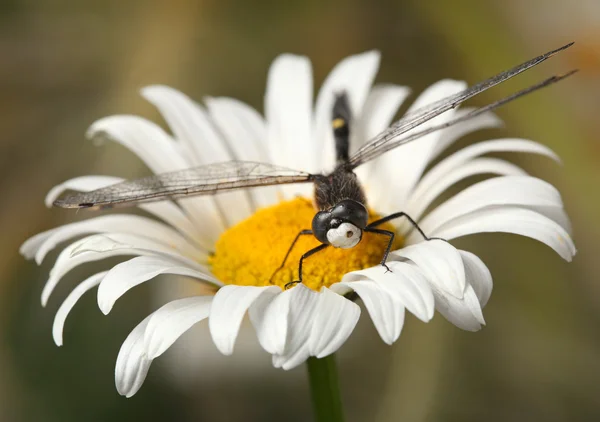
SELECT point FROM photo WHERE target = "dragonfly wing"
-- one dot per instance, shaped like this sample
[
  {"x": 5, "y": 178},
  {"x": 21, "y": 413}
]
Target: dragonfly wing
[
  {"x": 204, "y": 180},
  {"x": 376, "y": 146},
  {"x": 476, "y": 112}
]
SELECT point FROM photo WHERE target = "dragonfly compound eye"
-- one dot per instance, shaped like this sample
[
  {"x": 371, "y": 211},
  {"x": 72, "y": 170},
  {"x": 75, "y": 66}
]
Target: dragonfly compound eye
[
  {"x": 350, "y": 211},
  {"x": 320, "y": 225}
]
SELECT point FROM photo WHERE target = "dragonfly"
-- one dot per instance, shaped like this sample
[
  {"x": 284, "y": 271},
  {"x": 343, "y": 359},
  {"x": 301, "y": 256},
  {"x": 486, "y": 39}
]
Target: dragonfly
[{"x": 341, "y": 215}]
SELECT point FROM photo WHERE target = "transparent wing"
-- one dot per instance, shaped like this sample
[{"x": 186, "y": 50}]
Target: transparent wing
[
  {"x": 476, "y": 112},
  {"x": 204, "y": 180},
  {"x": 380, "y": 143}
]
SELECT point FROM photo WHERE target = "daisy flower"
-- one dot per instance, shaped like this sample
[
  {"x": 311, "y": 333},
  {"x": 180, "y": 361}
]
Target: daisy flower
[{"x": 233, "y": 243}]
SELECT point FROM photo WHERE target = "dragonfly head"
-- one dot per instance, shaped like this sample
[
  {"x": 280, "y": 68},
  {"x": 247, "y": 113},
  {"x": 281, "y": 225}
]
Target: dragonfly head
[{"x": 342, "y": 225}]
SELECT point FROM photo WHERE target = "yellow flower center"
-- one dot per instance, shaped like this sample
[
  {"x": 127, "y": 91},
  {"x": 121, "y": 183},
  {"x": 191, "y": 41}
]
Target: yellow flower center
[{"x": 250, "y": 252}]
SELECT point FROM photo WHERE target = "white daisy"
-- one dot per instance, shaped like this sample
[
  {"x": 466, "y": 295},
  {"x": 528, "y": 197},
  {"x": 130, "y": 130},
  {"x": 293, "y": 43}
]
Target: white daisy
[{"x": 233, "y": 249}]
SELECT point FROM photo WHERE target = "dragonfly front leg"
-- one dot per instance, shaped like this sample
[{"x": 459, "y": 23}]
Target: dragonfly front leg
[
  {"x": 306, "y": 255},
  {"x": 302, "y": 233},
  {"x": 391, "y": 235},
  {"x": 410, "y": 220},
  {"x": 371, "y": 228}
]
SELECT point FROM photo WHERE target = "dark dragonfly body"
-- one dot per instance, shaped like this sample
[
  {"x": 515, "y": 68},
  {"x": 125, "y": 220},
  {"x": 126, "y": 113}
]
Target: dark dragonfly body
[
  {"x": 339, "y": 196},
  {"x": 342, "y": 215}
]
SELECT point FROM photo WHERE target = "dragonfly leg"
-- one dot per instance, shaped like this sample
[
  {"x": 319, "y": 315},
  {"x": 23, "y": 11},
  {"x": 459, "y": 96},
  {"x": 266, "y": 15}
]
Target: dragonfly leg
[
  {"x": 410, "y": 220},
  {"x": 391, "y": 235},
  {"x": 306, "y": 255},
  {"x": 302, "y": 233}
]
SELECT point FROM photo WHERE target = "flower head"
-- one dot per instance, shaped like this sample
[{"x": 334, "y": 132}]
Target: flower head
[{"x": 234, "y": 242}]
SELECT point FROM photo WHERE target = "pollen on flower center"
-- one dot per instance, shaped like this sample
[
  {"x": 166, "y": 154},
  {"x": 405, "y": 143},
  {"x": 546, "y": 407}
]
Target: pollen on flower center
[{"x": 250, "y": 252}]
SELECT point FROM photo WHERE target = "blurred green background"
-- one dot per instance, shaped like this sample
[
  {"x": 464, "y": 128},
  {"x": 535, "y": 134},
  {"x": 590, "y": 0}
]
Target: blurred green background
[{"x": 66, "y": 63}]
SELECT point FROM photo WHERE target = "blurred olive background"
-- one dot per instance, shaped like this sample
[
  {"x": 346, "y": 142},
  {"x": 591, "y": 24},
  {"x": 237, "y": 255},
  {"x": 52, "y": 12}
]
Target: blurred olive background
[{"x": 66, "y": 63}]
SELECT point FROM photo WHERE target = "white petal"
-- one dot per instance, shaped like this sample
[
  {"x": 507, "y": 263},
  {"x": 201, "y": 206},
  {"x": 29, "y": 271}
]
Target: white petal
[
  {"x": 70, "y": 301},
  {"x": 380, "y": 108},
  {"x": 511, "y": 220},
  {"x": 405, "y": 283},
  {"x": 245, "y": 132},
  {"x": 455, "y": 161},
  {"x": 165, "y": 210},
  {"x": 189, "y": 123},
  {"x": 242, "y": 145},
  {"x": 159, "y": 152},
  {"x": 269, "y": 316},
  {"x": 288, "y": 111},
  {"x": 440, "y": 262},
  {"x": 417, "y": 205},
  {"x": 29, "y": 248},
  {"x": 109, "y": 242},
  {"x": 478, "y": 276},
  {"x": 483, "y": 121},
  {"x": 410, "y": 287},
  {"x": 333, "y": 321},
  {"x": 404, "y": 165},
  {"x": 303, "y": 302},
  {"x": 197, "y": 135},
  {"x": 126, "y": 275},
  {"x": 243, "y": 128},
  {"x": 465, "y": 313},
  {"x": 132, "y": 363},
  {"x": 355, "y": 75},
  {"x": 507, "y": 190},
  {"x": 97, "y": 247},
  {"x": 115, "y": 223},
  {"x": 145, "y": 139},
  {"x": 80, "y": 184},
  {"x": 229, "y": 307},
  {"x": 168, "y": 323},
  {"x": 204, "y": 234},
  {"x": 556, "y": 214},
  {"x": 208, "y": 213},
  {"x": 386, "y": 311}
]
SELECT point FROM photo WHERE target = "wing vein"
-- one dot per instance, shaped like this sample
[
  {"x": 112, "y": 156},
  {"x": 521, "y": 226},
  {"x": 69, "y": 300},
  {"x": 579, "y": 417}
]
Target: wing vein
[
  {"x": 204, "y": 180},
  {"x": 376, "y": 146}
]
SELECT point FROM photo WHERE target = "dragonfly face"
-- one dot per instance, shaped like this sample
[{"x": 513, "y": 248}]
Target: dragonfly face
[{"x": 341, "y": 226}]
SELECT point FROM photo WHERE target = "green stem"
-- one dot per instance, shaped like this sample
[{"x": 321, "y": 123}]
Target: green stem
[{"x": 325, "y": 389}]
